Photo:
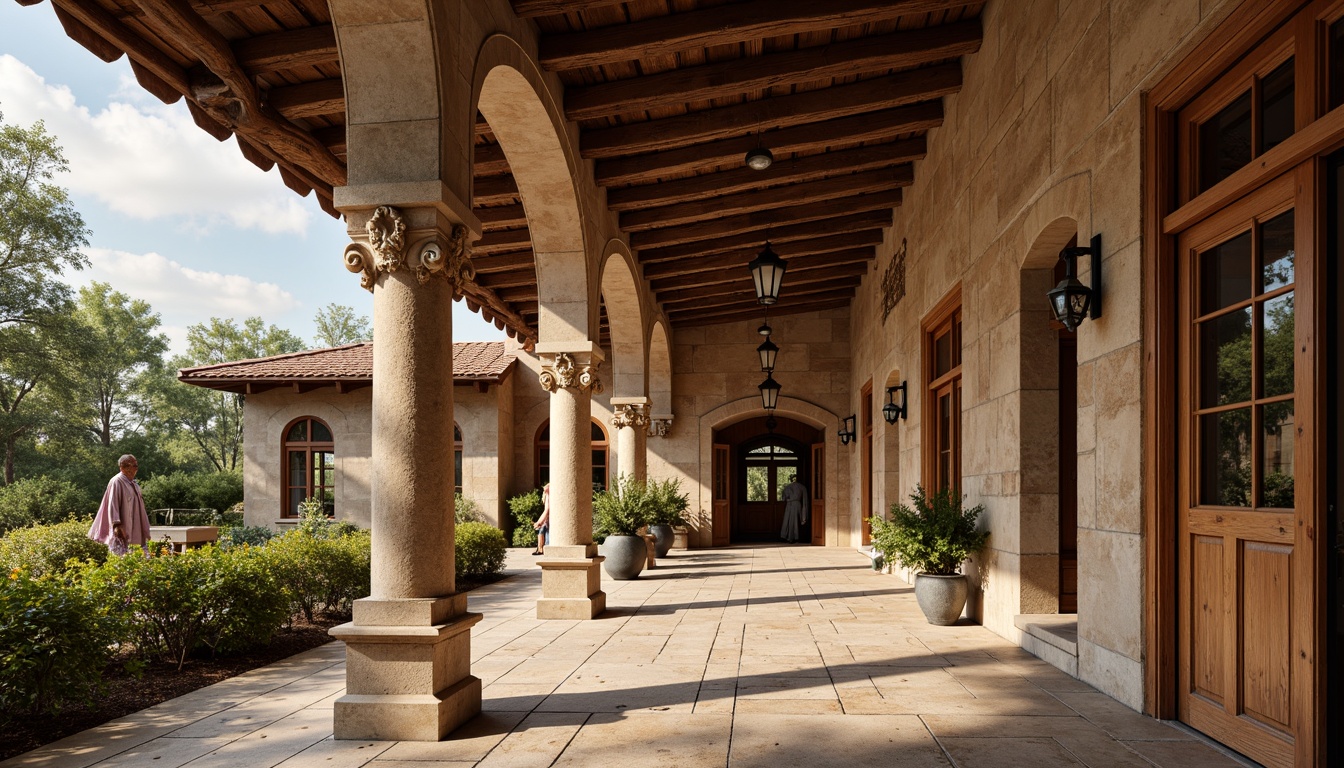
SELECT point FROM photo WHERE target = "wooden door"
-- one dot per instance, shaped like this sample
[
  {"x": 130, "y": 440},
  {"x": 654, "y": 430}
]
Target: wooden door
[
  {"x": 817, "y": 488},
  {"x": 721, "y": 521},
  {"x": 1247, "y": 579}
]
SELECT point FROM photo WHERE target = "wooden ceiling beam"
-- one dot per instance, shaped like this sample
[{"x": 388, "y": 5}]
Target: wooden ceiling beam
[
  {"x": 854, "y": 222},
  {"x": 726, "y": 269},
  {"x": 522, "y": 278},
  {"x": 833, "y": 290},
  {"x": 216, "y": 7},
  {"x": 501, "y": 217},
  {"x": 765, "y": 220},
  {"x": 518, "y": 293},
  {"x": 747, "y": 308},
  {"x": 528, "y": 9},
  {"x": 821, "y": 244},
  {"x": 883, "y": 125},
  {"x": 313, "y": 99},
  {"x": 724, "y": 293},
  {"x": 719, "y": 318},
  {"x": 493, "y": 190},
  {"x": 865, "y": 55},
  {"x": 474, "y": 293},
  {"x": 489, "y": 160},
  {"x": 720, "y": 25},
  {"x": 505, "y": 262},
  {"x": 752, "y": 117},
  {"x": 502, "y": 242},
  {"x": 332, "y": 137},
  {"x": 277, "y": 51},
  {"x": 802, "y": 169},
  {"x": 774, "y": 197}
]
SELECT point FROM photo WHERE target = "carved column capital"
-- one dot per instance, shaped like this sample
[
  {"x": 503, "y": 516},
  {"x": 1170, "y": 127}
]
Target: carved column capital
[
  {"x": 563, "y": 372},
  {"x": 630, "y": 415},
  {"x": 381, "y": 249},
  {"x": 660, "y": 427}
]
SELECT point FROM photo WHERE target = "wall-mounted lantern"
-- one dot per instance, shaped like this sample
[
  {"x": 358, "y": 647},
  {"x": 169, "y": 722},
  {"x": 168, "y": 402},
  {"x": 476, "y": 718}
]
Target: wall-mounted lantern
[
  {"x": 847, "y": 433},
  {"x": 769, "y": 393},
  {"x": 1071, "y": 301},
  {"x": 768, "y": 351},
  {"x": 767, "y": 271},
  {"x": 893, "y": 410}
]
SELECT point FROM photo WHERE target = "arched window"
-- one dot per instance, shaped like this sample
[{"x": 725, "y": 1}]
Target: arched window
[
  {"x": 457, "y": 459},
  {"x": 599, "y": 447},
  {"x": 309, "y": 455}
]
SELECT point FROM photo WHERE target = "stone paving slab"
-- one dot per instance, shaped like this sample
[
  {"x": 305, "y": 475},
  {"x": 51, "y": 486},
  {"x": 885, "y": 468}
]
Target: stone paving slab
[{"x": 771, "y": 656}]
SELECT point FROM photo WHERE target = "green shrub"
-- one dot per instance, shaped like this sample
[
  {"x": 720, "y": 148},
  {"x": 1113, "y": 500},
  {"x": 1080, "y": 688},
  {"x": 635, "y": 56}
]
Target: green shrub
[
  {"x": 45, "y": 549},
  {"x": 42, "y": 500},
  {"x": 200, "y": 490},
  {"x": 624, "y": 509},
  {"x": 934, "y": 537},
  {"x": 251, "y": 535},
  {"x": 668, "y": 502},
  {"x": 526, "y": 509},
  {"x": 321, "y": 574},
  {"x": 54, "y": 643},
  {"x": 224, "y": 600},
  {"x": 313, "y": 521},
  {"x": 466, "y": 511},
  {"x": 479, "y": 550}
]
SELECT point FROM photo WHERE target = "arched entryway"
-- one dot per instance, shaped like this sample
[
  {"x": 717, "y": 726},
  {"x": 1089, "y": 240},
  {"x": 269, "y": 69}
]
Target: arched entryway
[{"x": 753, "y": 464}]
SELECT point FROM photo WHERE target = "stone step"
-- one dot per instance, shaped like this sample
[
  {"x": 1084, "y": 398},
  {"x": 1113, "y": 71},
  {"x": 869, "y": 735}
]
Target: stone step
[{"x": 1051, "y": 637}]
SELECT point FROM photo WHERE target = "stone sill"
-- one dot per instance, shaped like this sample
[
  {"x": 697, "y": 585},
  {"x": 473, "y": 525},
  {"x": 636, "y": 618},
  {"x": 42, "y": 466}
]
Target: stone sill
[{"x": 1052, "y": 637}]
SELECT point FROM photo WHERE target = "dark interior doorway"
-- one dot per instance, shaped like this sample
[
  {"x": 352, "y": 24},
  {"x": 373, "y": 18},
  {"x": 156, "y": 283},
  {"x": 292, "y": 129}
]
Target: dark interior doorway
[{"x": 762, "y": 462}]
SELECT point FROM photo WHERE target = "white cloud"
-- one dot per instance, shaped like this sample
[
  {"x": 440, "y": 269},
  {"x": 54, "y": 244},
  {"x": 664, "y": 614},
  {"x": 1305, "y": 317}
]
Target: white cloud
[
  {"x": 148, "y": 160},
  {"x": 183, "y": 296}
]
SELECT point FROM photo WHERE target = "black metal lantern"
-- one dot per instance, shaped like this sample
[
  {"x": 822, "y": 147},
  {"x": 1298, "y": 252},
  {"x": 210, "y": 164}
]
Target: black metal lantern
[
  {"x": 847, "y": 433},
  {"x": 1071, "y": 301},
  {"x": 769, "y": 393},
  {"x": 767, "y": 271},
  {"x": 768, "y": 350},
  {"x": 893, "y": 411}
]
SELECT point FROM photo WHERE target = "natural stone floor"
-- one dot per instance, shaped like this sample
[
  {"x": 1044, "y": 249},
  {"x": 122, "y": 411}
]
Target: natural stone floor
[{"x": 771, "y": 656}]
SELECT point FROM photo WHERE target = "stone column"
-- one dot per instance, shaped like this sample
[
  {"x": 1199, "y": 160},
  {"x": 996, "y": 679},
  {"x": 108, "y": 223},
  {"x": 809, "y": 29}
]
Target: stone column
[
  {"x": 631, "y": 423},
  {"x": 408, "y": 647},
  {"x": 571, "y": 579}
]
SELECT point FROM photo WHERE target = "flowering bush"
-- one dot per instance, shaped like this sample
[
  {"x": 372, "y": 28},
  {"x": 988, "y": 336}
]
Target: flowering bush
[
  {"x": 46, "y": 549},
  {"x": 54, "y": 643}
]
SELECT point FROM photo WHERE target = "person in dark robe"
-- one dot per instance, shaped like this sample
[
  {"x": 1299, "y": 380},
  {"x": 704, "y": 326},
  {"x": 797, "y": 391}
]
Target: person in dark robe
[
  {"x": 795, "y": 510},
  {"x": 122, "y": 521}
]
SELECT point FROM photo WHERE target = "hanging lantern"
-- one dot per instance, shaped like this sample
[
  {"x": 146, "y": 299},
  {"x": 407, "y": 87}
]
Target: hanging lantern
[
  {"x": 767, "y": 271},
  {"x": 769, "y": 393},
  {"x": 768, "y": 350}
]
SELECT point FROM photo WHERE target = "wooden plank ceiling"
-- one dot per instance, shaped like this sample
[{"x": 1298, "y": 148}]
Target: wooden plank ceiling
[{"x": 669, "y": 95}]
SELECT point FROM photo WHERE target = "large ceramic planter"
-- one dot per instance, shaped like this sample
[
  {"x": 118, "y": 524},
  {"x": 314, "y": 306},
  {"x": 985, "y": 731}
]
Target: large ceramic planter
[
  {"x": 662, "y": 538},
  {"x": 941, "y": 598},
  {"x": 625, "y": 556}
]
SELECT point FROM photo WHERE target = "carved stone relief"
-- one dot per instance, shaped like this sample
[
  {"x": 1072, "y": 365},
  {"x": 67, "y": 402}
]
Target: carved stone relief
[
  {"x": 630, "y": 415},
  {"x": 385, "y": 251},
  {"x": 893, "y": 282},
  {"x": 660, "y": 427},
  {"x": 564, "y": 372}
]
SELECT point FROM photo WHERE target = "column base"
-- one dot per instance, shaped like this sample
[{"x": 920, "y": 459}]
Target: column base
[
  {"x": 409, "y": 680},
  {"x": 571, "y": 588}
]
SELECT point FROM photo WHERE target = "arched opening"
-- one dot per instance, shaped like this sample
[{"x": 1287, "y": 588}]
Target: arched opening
[
  {"x": 599, "y": 445},
  {"x": 757, "y": 462},
  {"x": 309, "y": 454},
  {"x": 620, "y": 299},
  {"x": 660, "y": 371}
]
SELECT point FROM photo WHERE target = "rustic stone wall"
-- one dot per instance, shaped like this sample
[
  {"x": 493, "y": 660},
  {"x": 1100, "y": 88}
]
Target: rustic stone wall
[{"x": 1043, "y": 143}]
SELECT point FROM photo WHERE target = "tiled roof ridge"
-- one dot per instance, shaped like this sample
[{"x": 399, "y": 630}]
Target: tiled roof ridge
[
  {"x": 284, "y": 356},
  {"x": 495, "y": 354}
]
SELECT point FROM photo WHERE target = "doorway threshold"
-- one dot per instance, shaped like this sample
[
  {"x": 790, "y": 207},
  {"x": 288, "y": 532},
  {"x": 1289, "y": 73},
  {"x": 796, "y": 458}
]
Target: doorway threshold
[{"x": 1051, "y": 637}]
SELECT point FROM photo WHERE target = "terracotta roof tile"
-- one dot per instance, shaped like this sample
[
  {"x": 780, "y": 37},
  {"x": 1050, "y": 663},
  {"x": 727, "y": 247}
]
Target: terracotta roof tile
[{"x": 472, "y": 360}]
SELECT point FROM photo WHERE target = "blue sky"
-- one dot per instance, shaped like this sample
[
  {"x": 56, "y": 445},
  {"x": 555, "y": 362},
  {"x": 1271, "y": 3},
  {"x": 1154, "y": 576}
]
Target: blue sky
[{"x": 178, "y": 219}]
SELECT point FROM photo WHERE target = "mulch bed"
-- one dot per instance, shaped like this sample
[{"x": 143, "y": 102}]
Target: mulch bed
[{"x": 125, "y": 694}]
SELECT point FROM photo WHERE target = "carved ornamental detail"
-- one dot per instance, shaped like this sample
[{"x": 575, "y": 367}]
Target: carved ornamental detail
[
  {"x": 660, "y": 427},
  {"x": 565, "y": 373},
  {"x": 430, "y": 257},
  {"x": 893, "y": 282},
  {"x": 630, "y": 415}
]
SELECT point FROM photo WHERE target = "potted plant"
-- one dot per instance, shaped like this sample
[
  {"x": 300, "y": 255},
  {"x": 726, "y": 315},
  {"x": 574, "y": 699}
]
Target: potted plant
[
  {"x": 618, "y": 514},
  {"x": 668, "y": 504},
  {"x": 932, "y": 539}
]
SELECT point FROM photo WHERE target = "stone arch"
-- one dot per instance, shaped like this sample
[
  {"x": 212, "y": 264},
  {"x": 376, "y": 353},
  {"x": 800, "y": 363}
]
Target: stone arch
[
  {"x": 621, "y": 295},
  {"x": 889, "y": 462},
  {"x": 511, "y": 93},
  {"x": 1053, "y": 218},
  {"x": 838, "y": 522},
  {"x": 660, "y": 370}
]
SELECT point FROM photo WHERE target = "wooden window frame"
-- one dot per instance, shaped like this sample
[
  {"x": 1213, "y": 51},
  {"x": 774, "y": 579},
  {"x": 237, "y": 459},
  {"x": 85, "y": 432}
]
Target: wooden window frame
[
  {"x": 309, "y": 447},
  {"x": 459, "y": 470},
  {"x": 1252, "y": 35},
  {"x": 946, "y": 313}
]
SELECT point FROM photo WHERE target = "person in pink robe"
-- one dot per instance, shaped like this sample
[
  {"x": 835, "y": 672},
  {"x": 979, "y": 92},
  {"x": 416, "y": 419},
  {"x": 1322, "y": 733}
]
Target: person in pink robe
[{"x": 122, "y": 520}]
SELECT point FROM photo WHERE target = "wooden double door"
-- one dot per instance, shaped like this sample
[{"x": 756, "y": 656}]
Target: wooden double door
[{"x": 1251, "y": 391}]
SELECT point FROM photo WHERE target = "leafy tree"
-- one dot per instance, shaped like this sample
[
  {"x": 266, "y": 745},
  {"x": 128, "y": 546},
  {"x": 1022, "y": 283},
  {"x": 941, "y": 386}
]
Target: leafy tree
[
  {"x": 338, "y": 324},
  {"x": 40, "y": 231},
  {"x": 34, "y": 362},
  {"x": 215, "y": 419},
  {"x": 120, "y": 353}
]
